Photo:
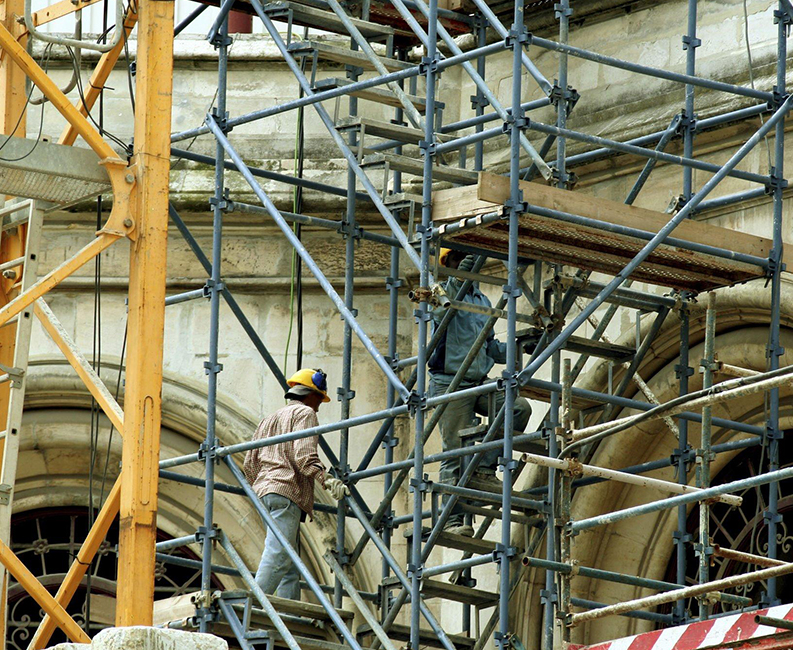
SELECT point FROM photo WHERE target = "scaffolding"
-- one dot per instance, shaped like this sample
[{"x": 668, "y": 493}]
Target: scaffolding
[{"x": 530, "y": 219}]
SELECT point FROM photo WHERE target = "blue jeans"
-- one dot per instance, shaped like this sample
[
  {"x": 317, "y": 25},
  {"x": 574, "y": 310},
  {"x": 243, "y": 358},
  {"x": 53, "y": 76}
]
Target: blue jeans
[
  {"x": 276, "y": 570},
  {"x": 459, "y": 415}
]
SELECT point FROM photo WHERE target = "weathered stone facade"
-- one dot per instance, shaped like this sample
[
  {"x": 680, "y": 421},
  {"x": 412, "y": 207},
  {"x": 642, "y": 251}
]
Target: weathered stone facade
[{"x": 257, "y": 265}]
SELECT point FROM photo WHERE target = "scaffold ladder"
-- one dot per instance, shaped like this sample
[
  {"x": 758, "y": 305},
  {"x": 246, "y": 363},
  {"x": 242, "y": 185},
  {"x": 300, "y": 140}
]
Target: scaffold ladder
[{"x": 29, "y": 215}]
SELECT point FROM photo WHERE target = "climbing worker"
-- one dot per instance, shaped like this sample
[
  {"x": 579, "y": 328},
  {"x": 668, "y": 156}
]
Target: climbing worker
[
  {"x": 444, "y": 362},
  {"x": 283, "y": 475}
]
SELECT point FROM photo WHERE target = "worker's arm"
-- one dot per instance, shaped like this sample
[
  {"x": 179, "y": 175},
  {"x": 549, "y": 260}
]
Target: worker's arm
[
  {"x": 252, "y": 464},
  {"x": 495, "y": 349},
  {"x": 305, "y": 449}
]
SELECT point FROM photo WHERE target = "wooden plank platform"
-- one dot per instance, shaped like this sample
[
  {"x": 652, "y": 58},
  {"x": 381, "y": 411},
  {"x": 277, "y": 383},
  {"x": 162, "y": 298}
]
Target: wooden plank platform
[
  {"x": 542, "y": 395},
  {"x": 382, "y": 12},
  {"x": 517, "y": 518},
  {"x": 483, "y": 487},
  {"x": 388, "y": 130},
  {"x": 180, "y": 607},
  {"x": 415, "y": 167},
  {"x": 474, "y": 434},
  {"x": 458, "y": 542},
  {"x": 400, "y": 632},
  {"x": 343, "y": 55},
  {"x": 403, "y": 198},
  {"x": 307, "y": 643},
  {"x": 431, "y": 588},
  {"x": 555, "y": 241},
  {"x": 377, "y": 94},
  {"x": 328, "y": 21},
  {"x": 296, "y": 607},
  {"x": 583, "y": 345}
]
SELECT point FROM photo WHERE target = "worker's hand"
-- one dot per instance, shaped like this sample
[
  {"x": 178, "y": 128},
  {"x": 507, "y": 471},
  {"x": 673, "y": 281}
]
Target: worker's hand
[
  {"x": 468, "y": 263},
  {"x": 439, "y": 297},
  {"x": 336, "y": 488}
]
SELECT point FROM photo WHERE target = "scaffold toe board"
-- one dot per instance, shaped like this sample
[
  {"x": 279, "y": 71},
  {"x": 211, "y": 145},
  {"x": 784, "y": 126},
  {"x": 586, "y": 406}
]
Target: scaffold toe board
[
  {"x": 431, "y": 588},
  {"x": 381, "y": 14},
  {"x": 50, "y": 172},
  {"x": 377, "y": 95},
  {"x": 567, "y": 227},
  {"x": 399, "y": 632},
  {"x": 307, "y": 16},
  {"x": 170, "y": 608},
  {"x": 383, "y": 129},
  {"x": 734, "y": 632},
  {"x": 582, "y": 345},
  {"x": 458, "y": 542},
  {"x": 415, "y": 167},
  {"x": 337, "y": 54}
]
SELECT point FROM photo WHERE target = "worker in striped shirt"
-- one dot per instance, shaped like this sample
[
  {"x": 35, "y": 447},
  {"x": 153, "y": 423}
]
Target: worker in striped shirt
[{"x": 283, "y": 476}]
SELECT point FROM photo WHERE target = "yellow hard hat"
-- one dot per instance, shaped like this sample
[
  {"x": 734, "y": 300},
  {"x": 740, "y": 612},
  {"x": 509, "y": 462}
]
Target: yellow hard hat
[
  {"x": 314, "y": 380},
  {"x": 443, "y": 255}
]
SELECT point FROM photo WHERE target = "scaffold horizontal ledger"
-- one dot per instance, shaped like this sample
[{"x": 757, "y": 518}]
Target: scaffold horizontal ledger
[{"x": 530, "y": 222}]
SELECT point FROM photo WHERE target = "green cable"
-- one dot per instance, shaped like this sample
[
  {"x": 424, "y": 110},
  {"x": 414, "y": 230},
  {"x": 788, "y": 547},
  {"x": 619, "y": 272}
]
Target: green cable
[{"x": 294, "y": 252}]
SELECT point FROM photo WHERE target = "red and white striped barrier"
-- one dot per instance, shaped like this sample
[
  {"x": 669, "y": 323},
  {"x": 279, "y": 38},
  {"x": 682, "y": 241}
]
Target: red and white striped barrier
[{"x": 734, "y": 632}]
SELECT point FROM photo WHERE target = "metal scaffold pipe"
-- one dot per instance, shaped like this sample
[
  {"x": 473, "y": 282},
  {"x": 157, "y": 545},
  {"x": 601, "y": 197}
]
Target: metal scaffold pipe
[
  {"x": 576, "y": 468},
  {"x": 707, "y": 493},
  {"x": 545, "y": 511},
  {"x": 686, "y": 592},
  {"x": 308, "y": 260},
  {"x": 647, "y": 70},
  {"x": 728, "y": 390}
]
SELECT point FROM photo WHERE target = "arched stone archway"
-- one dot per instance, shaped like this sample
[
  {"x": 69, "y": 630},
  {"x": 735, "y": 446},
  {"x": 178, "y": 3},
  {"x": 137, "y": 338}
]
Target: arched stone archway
[
  {"x": 643, "y": 546},
  {"x": 55, "y": 451}
]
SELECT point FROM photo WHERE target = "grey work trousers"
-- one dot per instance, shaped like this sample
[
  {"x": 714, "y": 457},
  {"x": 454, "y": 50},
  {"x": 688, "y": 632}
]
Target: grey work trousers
[
  {"x": 459, "y": 415},
  {"x": 276, "y": 569}
]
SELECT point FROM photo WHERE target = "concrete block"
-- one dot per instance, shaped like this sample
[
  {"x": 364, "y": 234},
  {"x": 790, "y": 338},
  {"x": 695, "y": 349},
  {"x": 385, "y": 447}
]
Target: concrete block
[{"x": 152, "y": 638}]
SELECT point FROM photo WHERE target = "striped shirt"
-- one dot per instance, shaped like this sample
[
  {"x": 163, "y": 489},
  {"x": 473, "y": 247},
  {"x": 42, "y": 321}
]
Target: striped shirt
[{"x": 287, "y": 468}]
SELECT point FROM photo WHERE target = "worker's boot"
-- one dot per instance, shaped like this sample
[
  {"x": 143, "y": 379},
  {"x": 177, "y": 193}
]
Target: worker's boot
[
  {"x": 486, "y": 481},
  {"x": 458, "y": 527}
]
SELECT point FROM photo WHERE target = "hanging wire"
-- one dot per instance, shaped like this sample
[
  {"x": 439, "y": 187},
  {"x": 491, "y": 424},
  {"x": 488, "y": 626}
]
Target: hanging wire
[
  {"x": 177, "y": 160},
  {"x": 751, "y": 73},
  {"x": 96, "y": 352},
  {"x": 45, "y": 63},
  {"x": 296, "y": 279},
  {"x": 81, "y": 95}
]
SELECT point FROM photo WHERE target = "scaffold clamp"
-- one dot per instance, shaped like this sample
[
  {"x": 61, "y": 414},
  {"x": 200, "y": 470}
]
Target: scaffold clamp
[
  {"x": 423, "y": 485},
  {"x": 415, "y": 402},
  {"x": 428, "y": 64},
  {"x": 690, "y": 42},
  {"x": 415, "y": 571},
  {"x": 560, "y": 10},
  {"x": 516, "y": 36}
]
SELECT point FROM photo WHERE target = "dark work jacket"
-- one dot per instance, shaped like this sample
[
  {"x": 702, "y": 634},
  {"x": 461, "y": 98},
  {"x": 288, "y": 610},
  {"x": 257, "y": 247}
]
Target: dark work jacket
[{"x": 460, "y": 336}]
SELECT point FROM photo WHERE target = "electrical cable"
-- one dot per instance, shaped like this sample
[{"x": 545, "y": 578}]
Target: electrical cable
[
  {"x": 751, "y": 72},
  {"x": 296, "y": 279},
  {"x": 112, "y": 428},
  {"x": 81, "y": 95},
  {"x": 128, "y": 62},
  {"x": 96, "y": 352},
  {"x": 179, "y": 159},
  {"x": 45, "y": 63},
  {"x": 96, "y": 361}
]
